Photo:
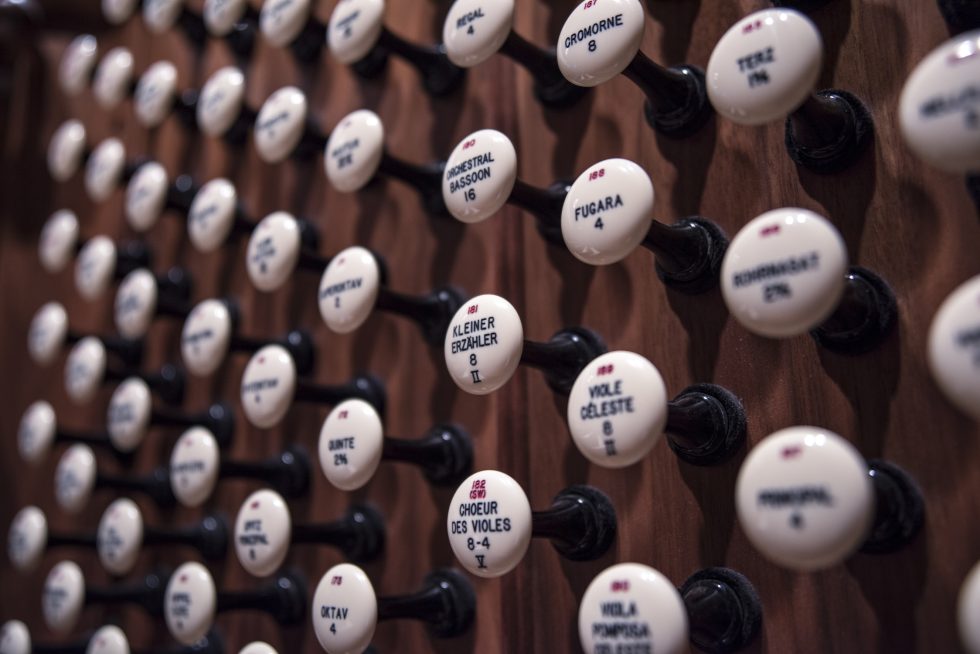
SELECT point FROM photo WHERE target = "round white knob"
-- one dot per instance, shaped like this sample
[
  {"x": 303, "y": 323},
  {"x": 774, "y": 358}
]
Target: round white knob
[
  {"x": 273, "y": 250},
  {"x": 129, "y": 414},
  {"x": 15, "y": 638},
  {"x": 474, "y": 30},
  {"x": 617, "y": 409},
  {"x": 63, "y": 597},
  {"x": 263, "y": 531},
  {"x": 354, "y": 29},
  {"x": 47, "y": 333},
  {"x": 350, "y": 445},
  {"x": 190, "y": 603},
  {"x": 967, "y": 609},
  {"x": 27, "y": 539},
  {"x": 349, "y": 289},
  {"x": 58, "y": 240},
  {"x": 66, "y": 149},
  {"x": 607, "y": 212},
  {"x": 206, "y": 337},
  {"x": 155, "y": 93},
  {"x": 804, "y": 498},
  {"x": 113, "y": 77},
  {"x": 77, "y": 63},
  {"x": 212, "y": 215},
  {"x": 161, "y": 15},
  {"x": 633, "y": 603},
  {"x": 938, "y": 120},
  {"x": 74, "y": 478},
  {"x": 281, "y": 22},
  {"x": 95, "y": 266},
  {"x": 354, "y": 150},
  {"x": 118, "y": 12},
  {"x": 345, "y": 610},
  {"x": 221, "y": 101},
  {"x": 480, "y": 175},
  {"x": 765, "y": 66},
  {"x": 37, "y": 431},
  {"x": 146, "y": 196},
  {"x": 194, "y": 466},
  {"x": 954, "y": 347},
  {"x": 258, "y": 647},
  {"x": 221, "y": 16},
  {"x": 85, "y": 369},
  {"x": 108, "y": 640},
  {"x": 136, "y": 303},
  {"x": 484, "y": 344},
  {"x": 280, "y": 124},
  {"x": 784, "y": 272},
  {"x": 489, "y": 523},
  {"x": 599, "y": 40},
  {"x": 120, "y": 536},
  {"x": 104, "y": 169},
  {"x": 268, "y": 386}
]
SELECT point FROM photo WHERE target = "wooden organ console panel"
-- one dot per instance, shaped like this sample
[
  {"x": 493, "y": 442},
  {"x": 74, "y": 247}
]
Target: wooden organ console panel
[{"x": 912, "y": 224}]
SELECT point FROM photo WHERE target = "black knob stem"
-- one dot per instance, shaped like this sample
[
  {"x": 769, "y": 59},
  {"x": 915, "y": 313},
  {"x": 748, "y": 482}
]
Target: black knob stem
[
  {"x": 899, "y": 508},
  {"x": 168, "y": 383},
  {"x": 426, "y": 178},
  {"x": 219, "y": 419},
  {"x": 284, "y": 598},
  {"x": 307, "y": 46},
  {"x": 677, "y": 97},
  {"x": 288, "y": 473},
  {"x": 865, "y": 317},
  {"x": 705, "y": 424},
  {"x": 155, "y": 485},
  {"x": 97, "y": 440},
  {"x": 439, "y": 75},
  {"x": 129, "y": 351},
  {"x": 131, "y": 255},
  {"x": 550, "y": 86},
  {"x": 446, "y": 603},
  {"x": 432, "y": 312},
  {"x": 209, "y": 536},
  {"x": 581, "y": 523},
  {"x": 445, "y": 454},
  {"x": 193, "y": 27},
  {"x": 545, "y": 204},
  {"x": 689, "y": 253},
  {"x": 563, "y": 357},
  {"x": 365, "y": 387},
  {"x": 360, "y": 534},
  {"x": 829, "y": 131},
  {"x": 724, "y": 610},
  {"x": 147, "y": 593},
  {"x": 59, "y": 539}
]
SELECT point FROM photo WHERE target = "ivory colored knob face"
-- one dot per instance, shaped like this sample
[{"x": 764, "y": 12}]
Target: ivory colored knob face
[
  {"x": 765, "y": 66},
  {"x": 212, "y": 215},
  {"x": 607, "y": 212},
  {"x": 354, "y": 29},
  {"x": 354, "y": 150},
  {"x": 189, "y": 603},
  {"x": 113, "y": 78},
  {"x": 146, "y": 195},
  {"x": 221, "y": 101},
  {"x": 58, "y": 240},
  {"x": 194, "y": 466},
  {"x": 95, "y": 266},
  {"x": 489, "y": 523},
  {"x": 63, "y": 597},
  {"x": 128, "y": 417},
  {"x": 15, "y": 638},
  {"x": 599, "y": 40},
  {"x": 206, "y": 337},
  {"x": 108, "y": 640},
  {"x": 85, "y": 369},
  {"x": 268, "y": 386},
  {"x": 633, "y": 599},
  {"x": 136, "y": 303},
  {"x": 161, "y": 15},
  {"x": 155, "y": 93},
  {"x": 475, "y": 30},
  {"x": 221, "y": 16},
  {"x": 120, "y": 536},
  {"x": 968, "y": 607},
  {"x": 74, "y": 478},
  {"x": 349, "y": 289},
  {"x": 48, "y": 333},
  {"x": 938, "y": 110},
  {"x": 954, "y": 347},
  {"x": 345, "y": 610},
  {"x": 804, "y": 498},
  {"x": 65, "y": 150},
  {"x": 258, "y": 647},
  {"x": 280, "y": 124},
  {"x": 480, "y": 175},
  {"x": 27, "y": 539},
  {"x": 118, "y": 12},
  {"x": 263, "y": 531},
  {"x": 784, "y": 272},
  {"x": 273, "y": 251},
  {"x": 36, "y": 432},
  {"x": 484, "y": 344},
  {"x": 77, "y": 63},
  {"x": 617, "y": 409},
  {"x": 281, "y": 21},
  {"x": 351, "y": 441},
  {"x": 104, "y": 169}
]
